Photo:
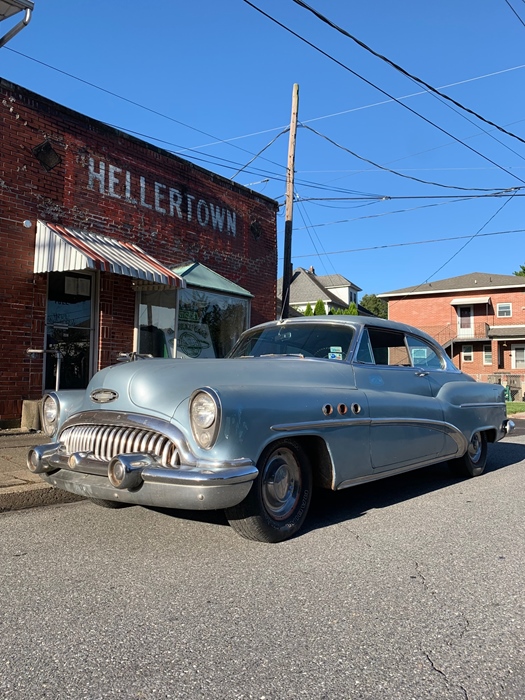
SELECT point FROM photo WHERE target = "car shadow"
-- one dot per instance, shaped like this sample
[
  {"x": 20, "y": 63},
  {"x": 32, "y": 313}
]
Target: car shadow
[{"x": 331, "y": 507}]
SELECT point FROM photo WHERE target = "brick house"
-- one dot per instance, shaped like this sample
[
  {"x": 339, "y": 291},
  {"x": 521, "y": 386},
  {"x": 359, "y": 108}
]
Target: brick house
[
  {"x": 479, "y": 319},
  {"x": 111, "y": 244}
]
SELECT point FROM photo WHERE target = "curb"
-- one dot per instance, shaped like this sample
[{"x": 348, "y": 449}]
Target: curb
[{"x": 33, "y": 496}]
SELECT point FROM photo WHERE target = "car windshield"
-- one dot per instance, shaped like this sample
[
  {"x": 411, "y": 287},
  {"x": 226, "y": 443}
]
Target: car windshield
[{"x": 301, "y": 339}]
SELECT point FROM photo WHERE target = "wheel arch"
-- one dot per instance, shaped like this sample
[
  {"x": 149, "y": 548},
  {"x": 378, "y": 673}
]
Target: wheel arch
[{"x": 319, "y": 456}]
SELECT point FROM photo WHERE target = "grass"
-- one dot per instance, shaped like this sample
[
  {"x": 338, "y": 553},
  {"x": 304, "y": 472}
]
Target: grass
[{"x": 515, "y": 407}]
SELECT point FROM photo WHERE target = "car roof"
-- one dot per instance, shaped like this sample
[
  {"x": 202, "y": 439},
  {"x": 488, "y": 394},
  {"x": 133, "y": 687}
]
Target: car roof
[{"x": 349, "y": 320}]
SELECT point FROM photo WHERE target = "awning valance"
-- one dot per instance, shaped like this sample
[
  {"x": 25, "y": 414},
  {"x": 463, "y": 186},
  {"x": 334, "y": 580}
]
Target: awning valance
[
  {"x": 468, "y": 301},
  {"x": 59, "y": 249}
]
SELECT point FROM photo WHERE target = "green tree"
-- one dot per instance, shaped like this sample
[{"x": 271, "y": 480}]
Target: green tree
[
  {"x": 320, "y": 309},
  {"x": 308, "y": 311},
  {"x": 521, "y": 271},
  {"x": 375, "y": 305},
  {"x": 350, "y": 311}
]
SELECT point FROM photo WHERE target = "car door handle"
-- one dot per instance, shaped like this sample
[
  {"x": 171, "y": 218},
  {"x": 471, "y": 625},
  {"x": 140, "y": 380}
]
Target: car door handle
[{"x": 421, "y": 373}]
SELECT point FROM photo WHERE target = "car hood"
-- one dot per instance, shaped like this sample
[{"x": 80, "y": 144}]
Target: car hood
[{"x": 159, "y": 386}]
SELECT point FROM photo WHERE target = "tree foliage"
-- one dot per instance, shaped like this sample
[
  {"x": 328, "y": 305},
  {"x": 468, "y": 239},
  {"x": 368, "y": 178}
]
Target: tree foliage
[
  {"x": 521, "y": 271},
  {"x": 350, "y": 311},
  {"x": 320, "y": 309},
  {"x": 308, "y": 311},
  {"x": 375, "y": 305}
]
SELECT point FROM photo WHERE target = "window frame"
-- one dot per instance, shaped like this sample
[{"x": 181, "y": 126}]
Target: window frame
[
  {"x": 465, "y": 354},
  {"x": 499, "y": 309},
  {"x": 485, "y": 354}
]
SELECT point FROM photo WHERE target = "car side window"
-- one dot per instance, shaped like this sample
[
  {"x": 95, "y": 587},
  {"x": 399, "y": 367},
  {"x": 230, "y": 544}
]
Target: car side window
[
  {"x": 364, "y": 351},
  {"x": 423, "y": 354},
  {"x": 388, "y": 348}
]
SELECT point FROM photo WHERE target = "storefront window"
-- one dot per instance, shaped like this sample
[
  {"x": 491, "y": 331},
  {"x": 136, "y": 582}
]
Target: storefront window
[
  {"x": 69, "y": 326},
  {"x": 157, "y": 314},
  {"x": 209, "y": 324}
]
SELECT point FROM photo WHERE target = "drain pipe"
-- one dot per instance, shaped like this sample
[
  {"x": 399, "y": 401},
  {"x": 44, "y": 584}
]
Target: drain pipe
[{"x": 17, "y": 28}]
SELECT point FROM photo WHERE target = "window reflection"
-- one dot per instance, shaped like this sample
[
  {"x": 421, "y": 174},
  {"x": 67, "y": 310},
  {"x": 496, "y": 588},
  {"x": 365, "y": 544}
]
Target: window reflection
[{"x": 209, "y": 324}]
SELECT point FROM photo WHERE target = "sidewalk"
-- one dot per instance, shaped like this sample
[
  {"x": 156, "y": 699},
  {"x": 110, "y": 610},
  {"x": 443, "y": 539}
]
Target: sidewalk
[{"x": 19, "y": 488}]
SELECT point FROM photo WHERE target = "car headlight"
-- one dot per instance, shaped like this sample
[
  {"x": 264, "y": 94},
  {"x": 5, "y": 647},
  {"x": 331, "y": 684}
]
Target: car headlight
[
  {"x": 205, "y": 417},
  {"x": 50, "y": 414}
]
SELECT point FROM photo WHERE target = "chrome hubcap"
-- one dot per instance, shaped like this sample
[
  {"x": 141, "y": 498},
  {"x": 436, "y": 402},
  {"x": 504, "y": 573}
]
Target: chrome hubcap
[
  {"x": 281, "y": 484},
  {"x": 474, "y": 449}
]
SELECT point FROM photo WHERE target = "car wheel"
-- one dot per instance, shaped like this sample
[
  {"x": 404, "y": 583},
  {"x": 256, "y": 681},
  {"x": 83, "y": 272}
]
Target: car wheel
[
  {"x": 108, "y": 504},
  {"x": 474, "y": 460},
  {"x": 277, "y": 504}
]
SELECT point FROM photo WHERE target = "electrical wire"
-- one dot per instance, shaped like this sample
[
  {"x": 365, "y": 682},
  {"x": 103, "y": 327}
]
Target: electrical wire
[
  {"x": 517, "y": 15},
  {"x": 376, "y": 87},
  {"x": 425, "y": 242},
  {"x": 402, "y": 70},
  {"x": 470, "y": 239},
  {"x": 396, "y": 172}
]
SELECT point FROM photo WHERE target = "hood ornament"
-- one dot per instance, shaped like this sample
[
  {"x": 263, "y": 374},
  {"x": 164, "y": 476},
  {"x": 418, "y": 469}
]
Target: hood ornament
[{"x": 103, "y": 395}]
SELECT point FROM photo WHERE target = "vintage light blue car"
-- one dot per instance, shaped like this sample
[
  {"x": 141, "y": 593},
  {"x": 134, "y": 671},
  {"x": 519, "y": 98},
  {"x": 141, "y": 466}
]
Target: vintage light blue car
[{"x": 327, "y": 402}]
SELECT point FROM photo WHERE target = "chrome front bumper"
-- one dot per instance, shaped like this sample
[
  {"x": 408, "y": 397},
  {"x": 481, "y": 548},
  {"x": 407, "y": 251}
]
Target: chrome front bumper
[{"x": 142, "y": 480}]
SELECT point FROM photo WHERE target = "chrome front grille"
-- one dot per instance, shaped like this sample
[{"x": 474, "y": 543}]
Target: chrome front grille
[{"x": 106, "y": 441}]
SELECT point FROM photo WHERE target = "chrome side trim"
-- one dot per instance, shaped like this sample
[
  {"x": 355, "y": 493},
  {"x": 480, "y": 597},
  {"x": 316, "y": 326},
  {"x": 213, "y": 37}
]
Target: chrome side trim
[
  {"x": 389, "y": 472},
  {"x": 488, "y": 404},
  {"x": 443, "y": 427}
]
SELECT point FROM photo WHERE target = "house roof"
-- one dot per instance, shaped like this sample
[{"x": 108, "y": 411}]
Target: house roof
[
  {"x": 336, "y": 281},
  {"x": 197, "y": 275},
  {"x": 308, "y": 287},
  {"x": 473, "y": 282}
]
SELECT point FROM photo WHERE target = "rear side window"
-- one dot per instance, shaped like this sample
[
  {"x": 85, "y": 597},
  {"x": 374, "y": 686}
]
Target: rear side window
[
  {"x": 395, "y": 349},
  {"x": 423, "y": 354},
  {"x": 383, "y": 347}
]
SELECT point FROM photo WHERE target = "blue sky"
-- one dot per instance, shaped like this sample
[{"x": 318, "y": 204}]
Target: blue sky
[{"x": 212, "y": 81}]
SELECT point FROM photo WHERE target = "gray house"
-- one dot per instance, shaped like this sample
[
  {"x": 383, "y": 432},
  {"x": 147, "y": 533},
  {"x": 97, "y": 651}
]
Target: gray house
[{"x": 307, "y": 288}]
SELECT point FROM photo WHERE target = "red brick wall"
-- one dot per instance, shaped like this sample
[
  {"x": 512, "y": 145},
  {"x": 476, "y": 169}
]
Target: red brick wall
[
  {"x": 63, "y": 195},
  {"x": 435, "y": 315}
]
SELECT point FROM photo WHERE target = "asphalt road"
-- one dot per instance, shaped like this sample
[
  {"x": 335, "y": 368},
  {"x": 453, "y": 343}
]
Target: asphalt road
[{"x": 410, "y": 588}]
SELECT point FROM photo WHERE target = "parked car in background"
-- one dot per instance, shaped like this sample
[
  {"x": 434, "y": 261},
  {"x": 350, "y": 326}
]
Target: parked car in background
[{"x": 312, "y": 402}]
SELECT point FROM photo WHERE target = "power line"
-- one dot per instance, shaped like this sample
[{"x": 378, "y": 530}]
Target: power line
[
  {"x": 132, "y": 102},
  {"x": 384, "y": 92},
  {"x": 387, "y": 198},
  {"x": 395, "y": 172},
  {"x": 425, "y": 242},
  {"x": 470, "y": 239},
  {"x": 402, "y": 70},
  {"x": 517, "y": 15}
]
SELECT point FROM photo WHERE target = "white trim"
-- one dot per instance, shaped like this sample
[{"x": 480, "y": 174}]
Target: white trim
[
  {"x": 423, "y": 292},
  {"x": 487, "y": 345},
  {"x": 471, "y": 353},
  {"x": 513, "y": 349},
  {"x": 503, "y": 303}
]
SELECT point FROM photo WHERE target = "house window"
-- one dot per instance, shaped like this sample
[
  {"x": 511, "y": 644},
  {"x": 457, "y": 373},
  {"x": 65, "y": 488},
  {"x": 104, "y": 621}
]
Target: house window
[
  {"x": 487, "y": 354},
  {"x": 504, "y": 310},
  {"x": 467, "y": 353},
  {"x": 518, "y": 357}
]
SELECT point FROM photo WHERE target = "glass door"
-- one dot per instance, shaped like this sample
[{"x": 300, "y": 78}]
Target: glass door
[{"x": 69, "y": 330}]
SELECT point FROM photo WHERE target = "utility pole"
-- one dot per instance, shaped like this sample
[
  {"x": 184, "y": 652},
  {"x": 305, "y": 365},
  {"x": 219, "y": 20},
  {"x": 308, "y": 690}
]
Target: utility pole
[{"x": 287, "y": 263}]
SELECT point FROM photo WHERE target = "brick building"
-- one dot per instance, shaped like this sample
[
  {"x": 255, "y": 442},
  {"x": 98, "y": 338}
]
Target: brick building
[
  {"x": 479, "y": 318},
  {"x": 110, "y": 244}
]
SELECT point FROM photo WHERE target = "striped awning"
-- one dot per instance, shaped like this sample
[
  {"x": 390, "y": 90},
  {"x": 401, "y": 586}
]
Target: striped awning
[{"x": 61, "y": 249}]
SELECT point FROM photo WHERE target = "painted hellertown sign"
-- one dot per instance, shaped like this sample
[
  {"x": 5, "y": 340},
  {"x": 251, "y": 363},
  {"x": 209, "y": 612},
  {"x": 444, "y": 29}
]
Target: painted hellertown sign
[{"x": 159, "y": 197}]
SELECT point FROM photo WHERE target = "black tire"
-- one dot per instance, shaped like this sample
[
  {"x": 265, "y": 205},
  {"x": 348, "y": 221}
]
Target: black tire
[
  {"x": 108, "y": 504},
  {"x": 277, "y": 504},
  {"x": 474, "y": 460}
]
